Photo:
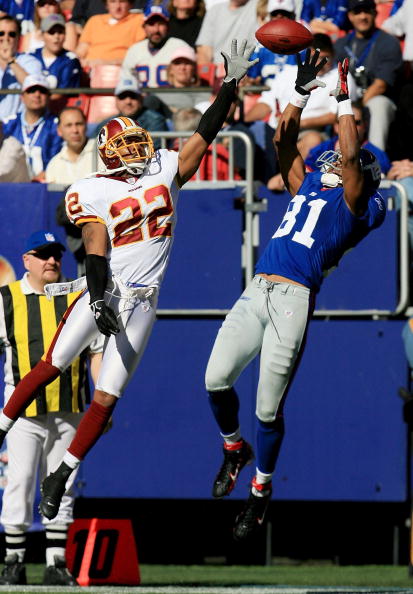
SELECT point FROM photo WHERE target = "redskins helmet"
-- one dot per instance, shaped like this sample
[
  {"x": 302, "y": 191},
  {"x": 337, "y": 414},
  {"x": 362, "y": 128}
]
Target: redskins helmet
[
  {"x": 123, "y": 144},
  {"x": 329, "y": 162}
]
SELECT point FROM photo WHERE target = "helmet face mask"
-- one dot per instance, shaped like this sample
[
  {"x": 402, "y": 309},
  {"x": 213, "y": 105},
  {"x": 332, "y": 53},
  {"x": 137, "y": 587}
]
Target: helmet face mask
[
  {"x": 330, "y": 162},
  {"x": 124, "y": 145}
]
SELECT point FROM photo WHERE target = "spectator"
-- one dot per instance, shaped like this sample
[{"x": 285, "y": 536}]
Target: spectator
[
  {"x": 402, "y": 172},
  {"x": 61, "y": 68},
  {"x": 332, "y": 144},
  {"x": 35, "y": 127},
  {"x": 41, "y": 436},
  {"x": 131, "y": 104},
  {"x": 186, "y": 18},
  {"x": 271, "y": 64},
  {"x": 13, "y": 167},
  {"x": 81, "y": 13},
  {"x": 401, "y": 25},
  {"x": 33, "y": 39},
  {"x": 106, "y": 37},
  {"x": 181, "y": 74},
  {"x": 321, "y": 109},
  {"x": 187, "y": 120},
  {"x": 375, "y": 61},
  {"x": 223, "y": 22},
  {"x": 76, "y": 158},
  {"x": 14, "y": 67},
  {"x": 148, "y": 59},
  {"x": 22, "y": 10},
  {"x": 326, "y": 16}
]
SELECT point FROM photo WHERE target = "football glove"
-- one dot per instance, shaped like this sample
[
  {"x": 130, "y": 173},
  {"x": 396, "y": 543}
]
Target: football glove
[
  {"x": 307, "y": 80},
  {"x": 104, "y": 317},
  {"x": 341, "y": 90},
  {"x": 237, "y": 65}
]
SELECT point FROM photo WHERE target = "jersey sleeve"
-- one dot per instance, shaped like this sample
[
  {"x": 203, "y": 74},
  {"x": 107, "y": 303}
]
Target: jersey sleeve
[
  {"x": 83, "y": 204},
  {"x": 376, "y": 211}
]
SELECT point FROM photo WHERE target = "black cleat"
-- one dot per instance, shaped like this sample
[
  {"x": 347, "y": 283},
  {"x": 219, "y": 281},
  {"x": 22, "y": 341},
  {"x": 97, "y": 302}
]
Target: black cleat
[
  {"x": 252, "y": 516},
  {"x": 52, "y": 490},
  {"x": 234, "y": 461},
  {"x": 14, "y": 572},
  {"x": 58, "y": 574}
]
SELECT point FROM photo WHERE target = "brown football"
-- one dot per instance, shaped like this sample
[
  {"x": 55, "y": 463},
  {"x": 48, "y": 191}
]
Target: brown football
[{"x": 284, "y": 36}]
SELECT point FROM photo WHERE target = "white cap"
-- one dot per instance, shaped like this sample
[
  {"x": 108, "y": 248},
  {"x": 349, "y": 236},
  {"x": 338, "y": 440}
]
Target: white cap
[
  {"x": 287, "y": 5},
  {"x": 184, "y": 52},
  {"x": 35, "y": 80},
  {"x": 128, "y": 84}
]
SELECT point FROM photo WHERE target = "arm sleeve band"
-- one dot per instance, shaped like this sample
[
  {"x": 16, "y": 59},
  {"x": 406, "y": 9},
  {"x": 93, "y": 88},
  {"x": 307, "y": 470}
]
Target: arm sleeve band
[
  {"x": 96, "y": 276},
  {"x": 212, "y": 120}
]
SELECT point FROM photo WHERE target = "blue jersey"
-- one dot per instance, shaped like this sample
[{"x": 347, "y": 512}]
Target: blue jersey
[
  {"x": 64, "y": 72},
  {"x": 328, "y": 145},
  {"x": 317, "y": 229},
  {"x": 40, "y": 143},
  {"x": 23, "y": 11},
  {"x": 334, "y": 11},
  {"x": 269, "y": 65}
]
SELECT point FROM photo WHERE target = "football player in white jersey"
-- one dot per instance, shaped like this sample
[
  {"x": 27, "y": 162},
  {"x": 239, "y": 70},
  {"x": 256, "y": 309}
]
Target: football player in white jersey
[{"x": 128, "y": 217}]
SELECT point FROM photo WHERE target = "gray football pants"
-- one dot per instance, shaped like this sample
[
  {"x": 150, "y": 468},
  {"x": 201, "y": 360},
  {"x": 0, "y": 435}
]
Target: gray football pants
[{"x": 271, "y": 317}]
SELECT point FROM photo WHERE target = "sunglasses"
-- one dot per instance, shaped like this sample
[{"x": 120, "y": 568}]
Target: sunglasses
[
  {"x": 41, "y": 90},
  {"x": 361, "y": 9},
  {"x": 128, "y": 95},
  {"x": 46, "y": 254},
  {"x": 12, "y": 34},
  {"x": 44, "y": 2}
]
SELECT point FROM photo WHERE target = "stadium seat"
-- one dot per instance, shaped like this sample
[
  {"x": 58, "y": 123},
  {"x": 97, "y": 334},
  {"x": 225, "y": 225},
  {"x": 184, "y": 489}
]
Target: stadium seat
[
  {"x": 103, "y": 76},
  {"x": 206, "y": 73},
  {"x": 82, "y": 101}
]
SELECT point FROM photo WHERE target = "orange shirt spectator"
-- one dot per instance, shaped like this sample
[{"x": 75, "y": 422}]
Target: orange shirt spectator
[{"x": 107, "y": 37}]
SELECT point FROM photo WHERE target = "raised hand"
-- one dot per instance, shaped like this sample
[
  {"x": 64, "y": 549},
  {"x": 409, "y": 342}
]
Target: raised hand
[
  {"x": 307, "y": 80},
  {"x": 341, "y": 90},
  {"x": 237, "y": 65}
]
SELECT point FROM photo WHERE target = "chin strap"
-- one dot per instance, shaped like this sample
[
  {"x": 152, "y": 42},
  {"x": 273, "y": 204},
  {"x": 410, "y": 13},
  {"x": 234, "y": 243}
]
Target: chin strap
[{"x": 331, "y": 180}]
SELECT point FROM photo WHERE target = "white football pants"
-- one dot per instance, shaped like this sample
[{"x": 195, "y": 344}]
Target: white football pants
[
  {"x": 36, "y": 445},
  {"x": 135, "y": 310},
  {"x": 271, "y": 317}
]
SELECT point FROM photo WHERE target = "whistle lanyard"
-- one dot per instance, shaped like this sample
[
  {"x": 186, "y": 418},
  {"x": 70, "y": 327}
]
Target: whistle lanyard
[
  {"x": 30, "y": 142},
  {"x": 356, "y": 62}
]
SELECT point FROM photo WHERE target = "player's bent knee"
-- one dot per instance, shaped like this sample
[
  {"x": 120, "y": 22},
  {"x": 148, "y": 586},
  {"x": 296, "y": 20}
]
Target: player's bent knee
[
  {"x": 265, "y": 415},
  {"x": 104, "y": 398},
  {"x": 216, "y": 383}
]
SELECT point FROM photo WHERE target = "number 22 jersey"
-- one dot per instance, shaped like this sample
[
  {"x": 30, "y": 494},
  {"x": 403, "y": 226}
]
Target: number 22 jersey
[
  {"x": 139, "y": 214},
  {"x": 317, "y": 229}
]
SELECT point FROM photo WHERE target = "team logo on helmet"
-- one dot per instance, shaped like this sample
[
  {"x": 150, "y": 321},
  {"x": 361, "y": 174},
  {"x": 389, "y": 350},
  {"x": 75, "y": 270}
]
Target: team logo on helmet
[{"x": 123, "y": 144}]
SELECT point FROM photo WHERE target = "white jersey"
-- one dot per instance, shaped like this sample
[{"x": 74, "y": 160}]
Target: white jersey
[
  {"x": 139, "y": 214},
  {"x": 150, "y": 67}
]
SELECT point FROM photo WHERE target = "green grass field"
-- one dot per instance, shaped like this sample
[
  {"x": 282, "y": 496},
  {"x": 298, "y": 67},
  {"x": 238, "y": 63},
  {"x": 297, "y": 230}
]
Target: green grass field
[{"x": 301, "y": 575}]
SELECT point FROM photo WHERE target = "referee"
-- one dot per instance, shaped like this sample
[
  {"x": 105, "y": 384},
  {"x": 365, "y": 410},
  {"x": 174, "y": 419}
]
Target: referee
[{"x": 38, "y": 440}]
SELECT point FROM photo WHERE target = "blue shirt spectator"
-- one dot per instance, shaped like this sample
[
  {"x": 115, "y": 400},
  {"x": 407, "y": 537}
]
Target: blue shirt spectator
[
  {"x": 14, "y": 67},
  {"x": 333, "y": 11},
  {"x": 271, "y": 64},
  {"x": 61, "y": 68},
  {"x": 332, "y": 143},
  {"x": 35, "y": 128},
  {"x": 23, "y": 11}
]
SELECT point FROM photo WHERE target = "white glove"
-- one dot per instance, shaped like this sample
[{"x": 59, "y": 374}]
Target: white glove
[{"x": 237, "y": 65}]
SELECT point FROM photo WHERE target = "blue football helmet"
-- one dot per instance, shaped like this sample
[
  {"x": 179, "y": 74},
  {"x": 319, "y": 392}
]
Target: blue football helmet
[{"x": 330, "y": 162}]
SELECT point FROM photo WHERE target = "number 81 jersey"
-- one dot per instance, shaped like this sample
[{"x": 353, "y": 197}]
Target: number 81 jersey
[
  {"x": 139, "y": 214},
  {"x": 317, "y": 229}
]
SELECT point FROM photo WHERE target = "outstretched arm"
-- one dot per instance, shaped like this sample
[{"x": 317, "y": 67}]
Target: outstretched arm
[
  {"x": 286, "y": 136},
  {"x": 351, "y": 172},
  {"x": 211, "y": 122}
]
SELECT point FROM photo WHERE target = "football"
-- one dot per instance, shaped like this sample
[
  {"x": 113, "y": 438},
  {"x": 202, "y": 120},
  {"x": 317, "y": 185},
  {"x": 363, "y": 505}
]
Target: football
[{"x": 284, "y": 36}]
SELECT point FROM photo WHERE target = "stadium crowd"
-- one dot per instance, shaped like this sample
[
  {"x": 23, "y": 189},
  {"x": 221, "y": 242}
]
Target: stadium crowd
[
  {"x": 163, "y": 61},
  {"x": 142, "y": 49}
]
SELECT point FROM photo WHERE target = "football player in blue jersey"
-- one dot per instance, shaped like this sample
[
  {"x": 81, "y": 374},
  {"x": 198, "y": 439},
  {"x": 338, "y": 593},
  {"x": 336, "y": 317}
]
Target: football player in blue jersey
[{"x": 331, "y": 211}]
